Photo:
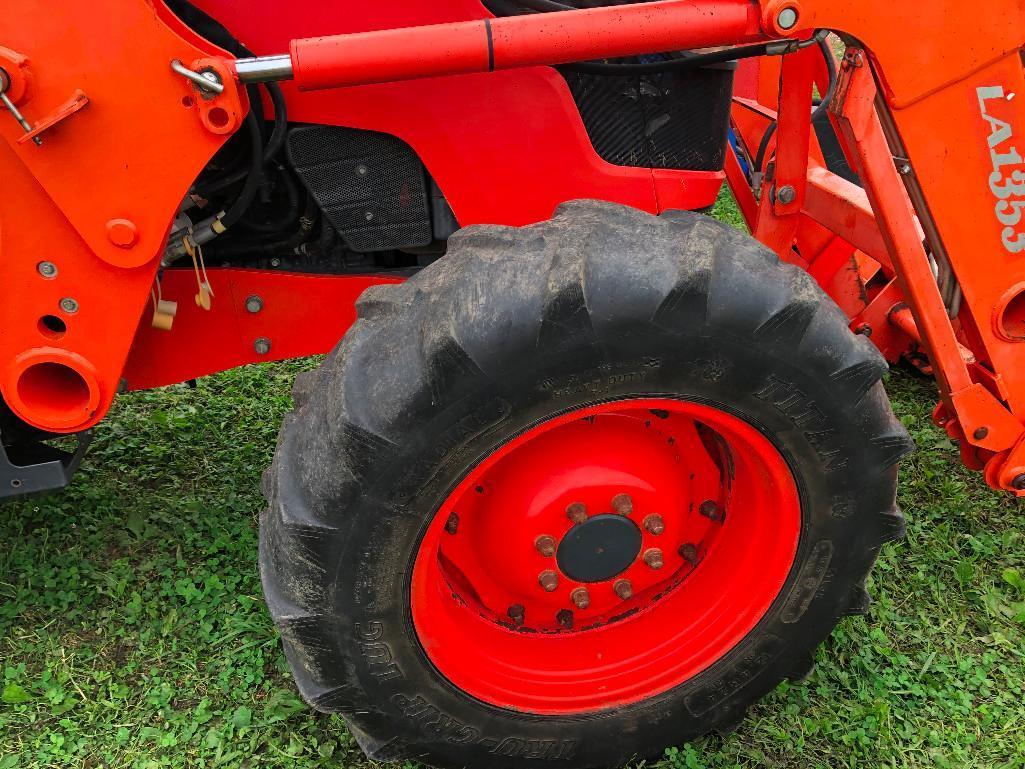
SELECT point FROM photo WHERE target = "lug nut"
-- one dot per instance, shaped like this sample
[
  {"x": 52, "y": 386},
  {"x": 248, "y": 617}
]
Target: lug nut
[
  {"x": 654, "y": 524},
  {"x": 577, "y": 512},
  {"x": 452, "y": 524},
  {"x": 624, "y": 589},
  {"x": 545, "y": 545},
  {"x": 565, "y": 619},
  {"x": 623, "y": 504},
  {"x": 549, "y": 580},
  {"x": 711, "y": 510},
  {"x": 689, "y": 553},
  {"x": 653, "y": 558},
  {"x": 581, "y": 598},
  {"x": 517, "y": 613}
]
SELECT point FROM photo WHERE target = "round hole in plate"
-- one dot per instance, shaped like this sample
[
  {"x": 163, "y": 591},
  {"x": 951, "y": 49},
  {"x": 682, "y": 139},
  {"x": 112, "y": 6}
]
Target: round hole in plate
[
  {"x": 218, "y": 117},
  {"x": 52, "y": 327}
]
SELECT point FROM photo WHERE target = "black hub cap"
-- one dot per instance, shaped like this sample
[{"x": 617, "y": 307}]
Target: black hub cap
[{"x": 599, "y": 549}]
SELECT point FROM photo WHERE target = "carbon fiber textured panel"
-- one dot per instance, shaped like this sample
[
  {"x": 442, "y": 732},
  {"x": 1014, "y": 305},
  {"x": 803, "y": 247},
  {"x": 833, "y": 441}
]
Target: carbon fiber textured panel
[
  {"x": 671, "y": 120},
  {"x": 371, "y": 186}
]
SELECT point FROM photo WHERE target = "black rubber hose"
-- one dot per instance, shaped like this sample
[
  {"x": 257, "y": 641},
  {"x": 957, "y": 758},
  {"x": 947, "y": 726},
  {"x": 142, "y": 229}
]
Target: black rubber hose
[
  {"x": 288, "y": 215},
  {"x": 277, "y": 137},
  {"x": 252, "y": 185},
  {"x": 274, "y": 144},
  {"x": 684, "y": 62}
]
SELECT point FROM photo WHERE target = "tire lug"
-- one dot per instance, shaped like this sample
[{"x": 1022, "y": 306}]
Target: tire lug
[
  {"x": 548, "y": 580},
  {"x": 711, "y": 510},
  {"x": 577, "y": 512},
  {"x": 565, "y": 619},
  {"x": 581, "y": 598},
  {"x": 623, "y": 504},
  {"x": 517, "y": 613},
  {"x": 623, "y": 589},
  {"x": 654, "y": 524},
  {"x": 452, "y": 524},
  {"x": 545, "y": 545},
  {"x": 689, "y": 553},
  {"x": 653, "y": 558}
]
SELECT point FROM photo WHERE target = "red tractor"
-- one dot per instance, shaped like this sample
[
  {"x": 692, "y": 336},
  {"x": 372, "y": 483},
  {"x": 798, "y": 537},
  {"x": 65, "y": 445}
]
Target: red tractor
[{"x": 588, "y": 473}]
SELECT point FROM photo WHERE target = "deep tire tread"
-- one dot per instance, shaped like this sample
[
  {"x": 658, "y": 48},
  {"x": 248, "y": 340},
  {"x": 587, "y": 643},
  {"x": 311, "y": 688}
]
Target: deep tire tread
[{"x": 330, "y": 455}]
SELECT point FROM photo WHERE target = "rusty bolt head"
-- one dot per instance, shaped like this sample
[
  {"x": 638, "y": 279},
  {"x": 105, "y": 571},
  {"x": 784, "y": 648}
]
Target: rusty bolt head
[
  {"x": 548, "y": 580},
  {"x": 545, "y": 545},
  {"x": 980, "y": 433},
  {"x": 653, "y": 524},
  {"x": 577, "y": 512},
  {"x": 262, "y": 346},
  {"x": 623, "y": 589},
  {"x": 710, "y": 510},
  {"x": 452, "y": 524},
  {"x": 517, "y": 613},
  {"x": 47, "y": 269},
  {"x": 254, "y": 304},
  {"x": 565, "y": 619},
  {"x": 623, "y": 504},
  {"x": 689, "y": 553},
  {"x": 581, "y": 598},
  {"x": 653, "y": 558}
]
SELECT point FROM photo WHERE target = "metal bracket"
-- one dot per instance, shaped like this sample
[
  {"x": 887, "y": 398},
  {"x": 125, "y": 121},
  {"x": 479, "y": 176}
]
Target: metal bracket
[{"x": 37, "y": 468}]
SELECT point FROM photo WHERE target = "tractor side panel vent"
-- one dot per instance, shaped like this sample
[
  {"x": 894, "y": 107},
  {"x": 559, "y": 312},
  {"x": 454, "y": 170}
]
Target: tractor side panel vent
[
  {"x": 670, "y": 120},
  {"x": 371, "y": 186}
]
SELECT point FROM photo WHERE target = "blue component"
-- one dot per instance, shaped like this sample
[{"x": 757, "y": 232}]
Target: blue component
[{"x": 736, "y": 148}]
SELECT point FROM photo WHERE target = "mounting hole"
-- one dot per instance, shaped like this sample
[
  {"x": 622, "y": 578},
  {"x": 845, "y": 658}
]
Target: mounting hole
[
  {"x": 1009, "y": 317},
  {"x": 218, "y": 117},
  {"x": 188, "y": 101},
  {"x": 52, "y": 327},
  {"x": 54, "y": 393}
]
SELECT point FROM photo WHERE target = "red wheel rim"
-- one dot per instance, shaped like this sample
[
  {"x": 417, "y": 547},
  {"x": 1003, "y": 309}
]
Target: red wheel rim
[{"x": 493, "y": 621}]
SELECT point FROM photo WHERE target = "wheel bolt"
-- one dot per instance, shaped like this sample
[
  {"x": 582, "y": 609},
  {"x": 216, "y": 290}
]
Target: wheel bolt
[
  {"x": 452, "y": 524},
  {"x": 689, "y": 553},
  {"x": 577, "y": 512},
  {"x": 581, "y": 598},
  {"x": 545, "y": 545},
  {"x": 653, "y": 557},
  {"x": 711, "y": 510},
  {"x": 623, "y": 589},
  {"x": 549, "y": 580},
  {"x": 565, "y": 619},
  {"x": 517, "y": 613},
  {"x": 623, "y": 504},
  {"x": 654, "y": 524}
]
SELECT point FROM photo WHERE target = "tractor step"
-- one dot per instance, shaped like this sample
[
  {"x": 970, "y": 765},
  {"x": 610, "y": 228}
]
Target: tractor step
[{"x": 38, "y": 468}]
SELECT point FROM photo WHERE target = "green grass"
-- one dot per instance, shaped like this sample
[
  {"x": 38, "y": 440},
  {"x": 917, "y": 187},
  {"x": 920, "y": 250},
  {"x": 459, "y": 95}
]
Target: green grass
[{"x": 133, "y": 633}]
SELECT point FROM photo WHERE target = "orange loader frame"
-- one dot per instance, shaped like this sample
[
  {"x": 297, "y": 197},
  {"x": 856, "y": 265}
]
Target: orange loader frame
[{"x": 110, "y": 122}]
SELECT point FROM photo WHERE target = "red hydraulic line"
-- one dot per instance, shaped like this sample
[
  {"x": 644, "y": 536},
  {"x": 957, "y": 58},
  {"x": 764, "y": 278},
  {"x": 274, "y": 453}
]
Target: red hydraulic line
[{"x": 521, "y": 41}]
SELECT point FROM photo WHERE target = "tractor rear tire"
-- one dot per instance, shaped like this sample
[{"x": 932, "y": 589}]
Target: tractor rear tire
[{"x": 434, "y": 435}]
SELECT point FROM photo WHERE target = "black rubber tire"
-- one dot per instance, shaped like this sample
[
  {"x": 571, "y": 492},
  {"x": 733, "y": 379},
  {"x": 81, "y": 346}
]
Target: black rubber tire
[{"x": 512, "y": 326}]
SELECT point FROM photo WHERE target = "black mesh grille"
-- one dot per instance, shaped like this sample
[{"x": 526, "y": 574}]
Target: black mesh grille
[
  {"x": 672, "y": 120},
  {"x": 371, "y": 186}
]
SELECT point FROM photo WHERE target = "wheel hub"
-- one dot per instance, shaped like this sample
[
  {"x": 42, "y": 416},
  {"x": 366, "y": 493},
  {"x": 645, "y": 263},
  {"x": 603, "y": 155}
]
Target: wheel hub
[
  {"x": 599, "y": 549},
  {"x": 605, "y": 556}
]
